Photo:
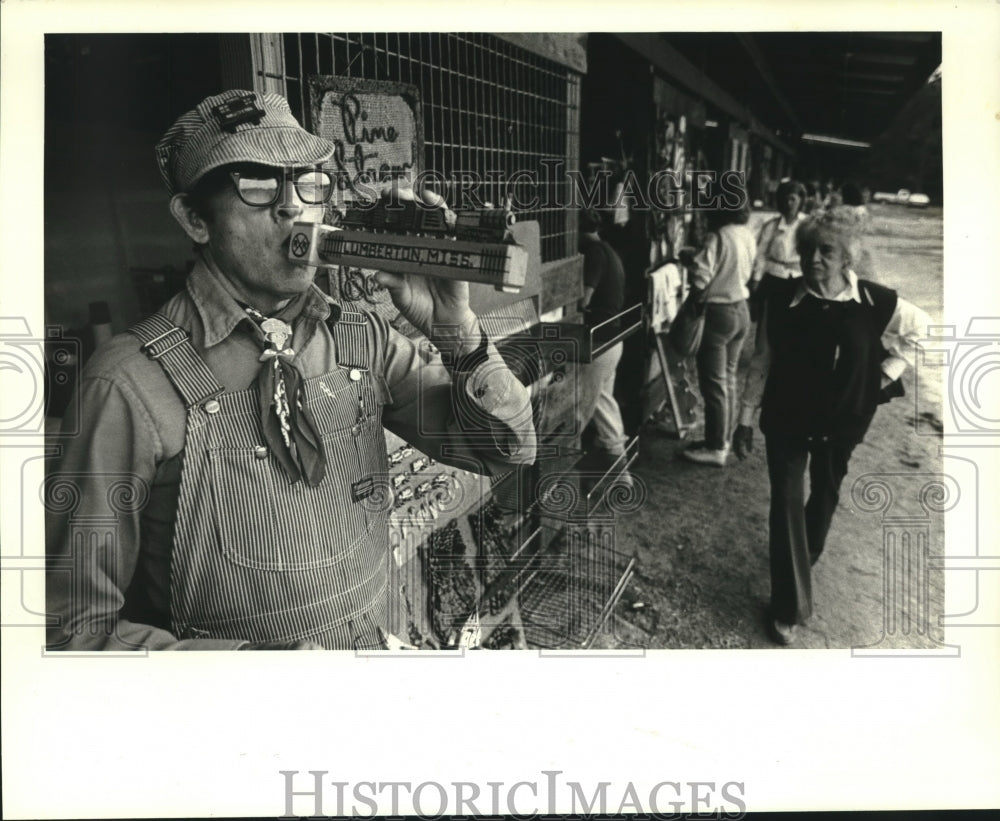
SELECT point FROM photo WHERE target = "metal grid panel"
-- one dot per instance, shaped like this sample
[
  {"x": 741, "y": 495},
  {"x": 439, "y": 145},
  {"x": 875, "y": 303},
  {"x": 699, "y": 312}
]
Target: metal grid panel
[{"x": 490, "y": 108}]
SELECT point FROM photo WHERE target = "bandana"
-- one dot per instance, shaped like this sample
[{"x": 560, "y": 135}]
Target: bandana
[{"x": 288, "y": 425}]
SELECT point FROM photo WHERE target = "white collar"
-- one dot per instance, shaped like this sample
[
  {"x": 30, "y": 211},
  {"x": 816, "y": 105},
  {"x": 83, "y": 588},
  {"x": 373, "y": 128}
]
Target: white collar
[
  {"x": 782, "y": 225},
  {"x": 851, "y": 292}
]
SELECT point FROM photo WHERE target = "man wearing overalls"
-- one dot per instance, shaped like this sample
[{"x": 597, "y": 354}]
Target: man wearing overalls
[{"x": 237, "y": 434}]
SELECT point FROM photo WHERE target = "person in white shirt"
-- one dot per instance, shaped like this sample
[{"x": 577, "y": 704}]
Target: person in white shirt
[
  {"x": 776, "y": 253},
  {"x": 720, "y": 272},
  {"x": 830, "y": 348}
]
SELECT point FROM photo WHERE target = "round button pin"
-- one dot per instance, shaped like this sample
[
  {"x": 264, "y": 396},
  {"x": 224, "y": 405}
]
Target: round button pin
[
  {"x": 355, "y": 374},
  {"x": 211, "y": 406},
  {"x": 260, "y": 452}
]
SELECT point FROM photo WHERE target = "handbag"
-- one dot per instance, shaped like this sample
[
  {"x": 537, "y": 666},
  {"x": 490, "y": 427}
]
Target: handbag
[
  {"x": 688, "y": 326},
  {"x": 686, "y": 330}
]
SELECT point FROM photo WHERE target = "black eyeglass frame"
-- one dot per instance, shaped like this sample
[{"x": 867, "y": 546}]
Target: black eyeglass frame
[{"x": 281, "y": 176}]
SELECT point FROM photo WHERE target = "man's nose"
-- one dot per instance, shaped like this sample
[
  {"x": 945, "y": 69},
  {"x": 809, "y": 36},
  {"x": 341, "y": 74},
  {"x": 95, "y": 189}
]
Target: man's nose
[{"x": 289, "y": 206}]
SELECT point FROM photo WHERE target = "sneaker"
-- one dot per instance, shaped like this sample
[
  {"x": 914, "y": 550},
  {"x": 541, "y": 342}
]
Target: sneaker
[{"x": 705, "y": 456}]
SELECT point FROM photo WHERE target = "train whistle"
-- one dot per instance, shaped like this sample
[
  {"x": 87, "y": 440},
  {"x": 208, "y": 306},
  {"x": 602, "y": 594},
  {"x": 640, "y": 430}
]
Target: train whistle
[{"x": 502, "y": 264}]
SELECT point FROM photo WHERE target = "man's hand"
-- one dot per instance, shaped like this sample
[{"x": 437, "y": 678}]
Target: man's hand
[
  {"x": 437, "y": 307},
  {"x": 743, "y": 441},
  {"x": 282, "y": 645},
  {"x": 891, "y": 389}
]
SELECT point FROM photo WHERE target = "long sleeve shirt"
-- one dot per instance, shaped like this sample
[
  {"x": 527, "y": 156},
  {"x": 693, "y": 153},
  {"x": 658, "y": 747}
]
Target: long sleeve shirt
[
  {"x": 124, "y": 467},
  {"x": 907, "y": 324},
  {"x": 725, "y": 263}
]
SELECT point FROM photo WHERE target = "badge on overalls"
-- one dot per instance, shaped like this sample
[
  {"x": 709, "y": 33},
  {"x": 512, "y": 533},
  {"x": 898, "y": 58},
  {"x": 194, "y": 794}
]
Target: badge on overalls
[{"x": 363, "y": 488}]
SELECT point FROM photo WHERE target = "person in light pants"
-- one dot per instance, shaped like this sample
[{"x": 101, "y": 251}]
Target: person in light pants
[
  {"x": 603, "y": 298},
  {"x": 720, "y": 273}
]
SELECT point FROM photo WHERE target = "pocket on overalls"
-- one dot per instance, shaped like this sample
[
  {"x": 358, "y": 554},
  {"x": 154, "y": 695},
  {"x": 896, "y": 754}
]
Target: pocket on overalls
[
  {"x": 267, "y": 523},
  {"x": 369, "y": 482}
]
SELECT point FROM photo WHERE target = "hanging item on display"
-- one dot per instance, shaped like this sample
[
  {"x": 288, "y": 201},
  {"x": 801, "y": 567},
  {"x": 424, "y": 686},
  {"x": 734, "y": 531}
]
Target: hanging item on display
[
  {"x": 680, "y": 401},
  {"x": 668, "y": 164},
  {"x": 621, "y": 211}
]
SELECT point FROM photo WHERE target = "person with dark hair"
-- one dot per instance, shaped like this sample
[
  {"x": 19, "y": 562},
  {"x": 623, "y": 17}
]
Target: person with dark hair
[
  {"x": 851, "y": 194},
  {"x": 776, "y": 255},
  {"x": 603, "y": 298},
  {"x": 830, "y": 348},
  {"x": 814, "y": 198},
  {"x": 238, "y": 432},
  {"x": 719, "y": 276},
  {"x": 832, "y": 198}
]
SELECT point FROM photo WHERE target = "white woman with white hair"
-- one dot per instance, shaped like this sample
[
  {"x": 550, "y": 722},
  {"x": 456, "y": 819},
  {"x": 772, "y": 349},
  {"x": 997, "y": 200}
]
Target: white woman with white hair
[{"x": 830, "y": 348}]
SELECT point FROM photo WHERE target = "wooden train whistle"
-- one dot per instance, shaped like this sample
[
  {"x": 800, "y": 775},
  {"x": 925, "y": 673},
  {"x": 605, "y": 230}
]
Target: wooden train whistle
[{"x": 499, "y": 263}]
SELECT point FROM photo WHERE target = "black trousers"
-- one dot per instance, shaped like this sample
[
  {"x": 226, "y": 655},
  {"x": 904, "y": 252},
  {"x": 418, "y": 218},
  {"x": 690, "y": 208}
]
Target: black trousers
[{"x": 798, "y": 527}]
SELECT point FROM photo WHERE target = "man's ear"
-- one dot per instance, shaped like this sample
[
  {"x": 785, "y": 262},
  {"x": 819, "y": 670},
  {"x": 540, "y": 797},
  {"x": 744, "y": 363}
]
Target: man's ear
[{"x": 189, "y": 219}]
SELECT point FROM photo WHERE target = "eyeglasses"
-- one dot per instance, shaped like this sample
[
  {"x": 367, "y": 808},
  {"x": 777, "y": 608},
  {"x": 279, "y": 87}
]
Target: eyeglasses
[{"x": 261, "y": 189}]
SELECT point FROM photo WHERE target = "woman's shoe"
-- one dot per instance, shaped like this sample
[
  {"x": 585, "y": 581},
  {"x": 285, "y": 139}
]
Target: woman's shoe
[
  {"x": 707, "y": 456},
  {"x": 778, "y": 631}
]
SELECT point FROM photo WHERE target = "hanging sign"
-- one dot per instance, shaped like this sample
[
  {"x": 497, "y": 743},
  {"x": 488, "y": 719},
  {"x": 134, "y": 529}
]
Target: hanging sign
[{"x": 376, "y": 128}]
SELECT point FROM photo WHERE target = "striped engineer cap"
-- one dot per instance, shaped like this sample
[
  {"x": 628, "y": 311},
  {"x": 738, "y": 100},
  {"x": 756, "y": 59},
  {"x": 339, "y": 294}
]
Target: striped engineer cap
[{"x": 235, "y": 127}]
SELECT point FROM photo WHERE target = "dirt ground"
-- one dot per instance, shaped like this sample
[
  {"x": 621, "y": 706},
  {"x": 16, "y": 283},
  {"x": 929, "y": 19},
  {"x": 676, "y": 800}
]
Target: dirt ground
[{"x": 700, "y": 538}]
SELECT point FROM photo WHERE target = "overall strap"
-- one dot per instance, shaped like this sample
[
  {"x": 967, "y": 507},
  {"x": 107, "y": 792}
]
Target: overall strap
[
  {"x": 353, "y": 338},
  {"x": 171, "y": 346}
]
